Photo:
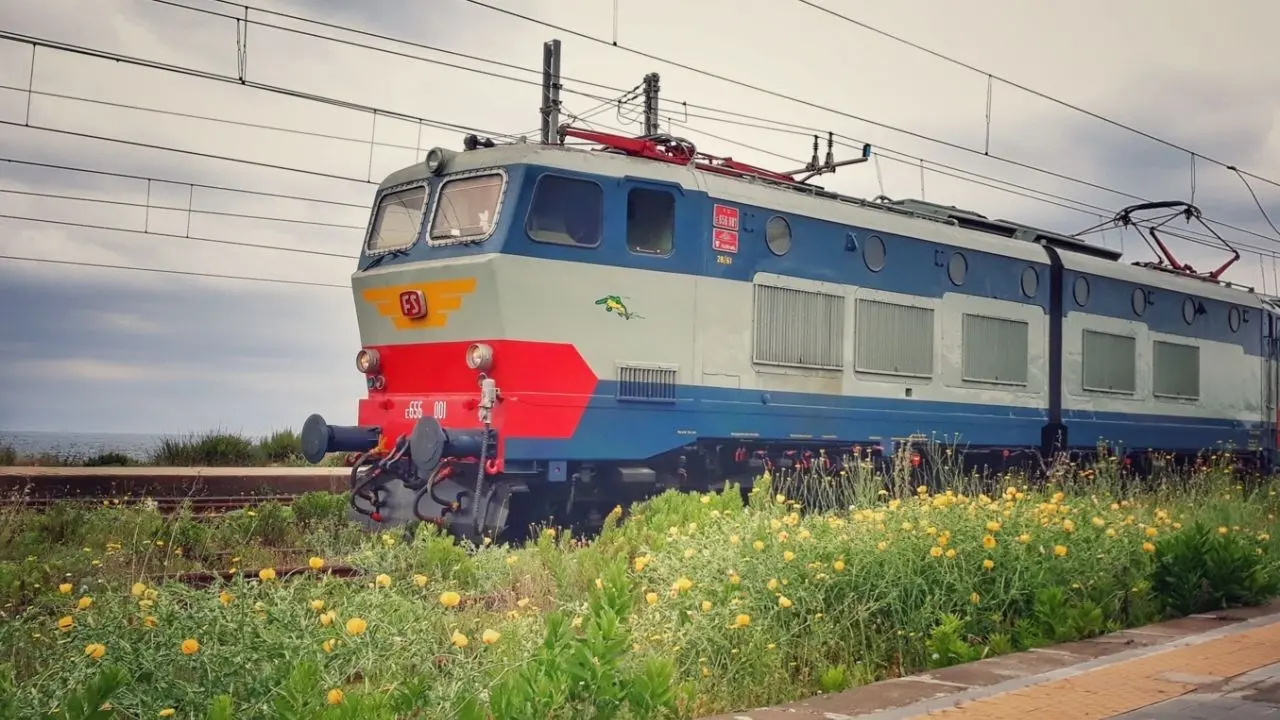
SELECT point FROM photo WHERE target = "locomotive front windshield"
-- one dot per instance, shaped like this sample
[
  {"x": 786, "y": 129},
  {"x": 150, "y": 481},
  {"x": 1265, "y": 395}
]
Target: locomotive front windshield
[
  {"x": 466, "y": 207},
  {"x": 398, "y": 218}
]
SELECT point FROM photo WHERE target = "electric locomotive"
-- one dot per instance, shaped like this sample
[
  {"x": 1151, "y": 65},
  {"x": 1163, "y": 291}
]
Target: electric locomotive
[{"x": 551, "y": 331}]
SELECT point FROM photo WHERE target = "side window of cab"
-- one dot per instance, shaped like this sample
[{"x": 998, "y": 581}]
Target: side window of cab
[
  {"x": 566, "y": 211},
  {"x": 651, "y": 221}
]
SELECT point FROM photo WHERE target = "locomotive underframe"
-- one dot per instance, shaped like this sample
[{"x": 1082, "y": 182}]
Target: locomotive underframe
[{"x": 579, "y": 495}]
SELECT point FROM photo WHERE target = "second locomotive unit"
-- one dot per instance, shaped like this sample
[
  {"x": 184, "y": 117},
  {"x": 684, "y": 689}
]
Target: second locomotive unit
[{"x": 552, "y": 331}]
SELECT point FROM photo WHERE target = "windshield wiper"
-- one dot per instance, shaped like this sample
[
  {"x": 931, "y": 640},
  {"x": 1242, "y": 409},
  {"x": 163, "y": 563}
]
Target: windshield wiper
[{"x": 375, "y": 262}]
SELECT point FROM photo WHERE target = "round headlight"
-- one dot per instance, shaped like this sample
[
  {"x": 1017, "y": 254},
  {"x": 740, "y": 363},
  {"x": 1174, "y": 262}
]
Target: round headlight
[
  {"x": 435, "y": 160},
  {"x": 479, "y": 357},
  {"x": 367, "y": 361}
]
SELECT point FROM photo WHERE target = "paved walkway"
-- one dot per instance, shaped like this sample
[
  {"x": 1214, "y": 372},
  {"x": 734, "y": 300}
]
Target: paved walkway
[{"x": 1197, "y": 668}]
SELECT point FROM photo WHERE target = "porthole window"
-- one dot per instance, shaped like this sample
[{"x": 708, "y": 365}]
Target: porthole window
[
  {"x": 1233, "y": 319},
  {"x": 957, "y": 268},
  {"x": 1080, "y": 290},
  {"x": 873, "y": 253},
  {"x": 777, "y": 235},
  {"x": 1189, "y": 310},
  {"x": 1139, "y": 301},
  {"x": 1030, "y": 281}
]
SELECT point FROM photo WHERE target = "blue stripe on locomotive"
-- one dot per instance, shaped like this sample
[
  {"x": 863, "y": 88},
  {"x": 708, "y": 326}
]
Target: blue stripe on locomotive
[
  {"x": 818, "y": 252},
  {"x": 621, "y": 430}
]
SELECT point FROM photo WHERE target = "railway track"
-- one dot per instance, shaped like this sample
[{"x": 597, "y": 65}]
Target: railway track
[
  {"x": 199, "y": 504},
  {"x": 205, "y": 489}
]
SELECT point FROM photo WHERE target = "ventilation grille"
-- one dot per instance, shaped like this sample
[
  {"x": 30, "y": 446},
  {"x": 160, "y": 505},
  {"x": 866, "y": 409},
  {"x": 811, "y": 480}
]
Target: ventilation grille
[
  {"x": 647, "y": 383},
  {"x": 1110, "y": 362},
  {"x": 799, "y": 328},
  {"x": 995, "y": 350},
  {"x": 1176, "y": 371},
  {"x": 894, "y": 339}
]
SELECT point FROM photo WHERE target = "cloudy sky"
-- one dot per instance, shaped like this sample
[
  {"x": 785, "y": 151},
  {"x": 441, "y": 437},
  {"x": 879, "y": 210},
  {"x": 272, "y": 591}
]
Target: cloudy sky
[{"x": 92, "y": 349}]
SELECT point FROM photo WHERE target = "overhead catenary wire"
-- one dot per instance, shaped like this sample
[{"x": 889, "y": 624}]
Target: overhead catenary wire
[
  {"x": 1040, "y": 94},
  {"x": 175, "y": 236},
  {"x": 203, "y": 74},
  {"x": 204, "y": 186},
  {"x": 758, "y": 88},
  {"x": 847, "y": 142},
  {"x": 174, "y": 208},
  {"x": 455, "y": 126},
  {"x": 167, "y": 271}
]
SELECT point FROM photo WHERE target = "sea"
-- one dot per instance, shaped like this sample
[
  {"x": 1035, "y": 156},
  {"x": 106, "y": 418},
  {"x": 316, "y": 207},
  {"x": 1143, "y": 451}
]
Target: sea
[{"x": 79, "y": 446}]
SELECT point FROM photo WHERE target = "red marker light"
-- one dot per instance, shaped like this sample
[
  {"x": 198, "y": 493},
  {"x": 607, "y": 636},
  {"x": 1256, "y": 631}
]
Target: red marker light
[{"x": 376, "y": 516}]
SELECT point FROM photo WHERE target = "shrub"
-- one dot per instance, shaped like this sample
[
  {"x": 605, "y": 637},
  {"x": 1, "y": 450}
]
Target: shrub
[
  {"x": 112, "y": 458},
  {"x": 8, "y": 456},
  {"x": 281, "y": 446},
  {"x": 1207, "y": 568},
  {"x": 216, "y": 449},
  {"x": 320, "y": 509}
]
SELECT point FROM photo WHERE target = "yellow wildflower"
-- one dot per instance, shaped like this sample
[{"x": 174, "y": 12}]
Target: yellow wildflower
[
  {"x": 706, "y": 606},
  {"x": 742, "y": 620},
  {"x": 757, "y": 545},
  {"x": 167, "y": 712},
  {"x": 459, "y": 640},
  {"x": 420, "y": 580},
  {"x": 328, "y": 645},
  {"x": 838, "y": 566},
  {"x": 642, "y": 561},
  {"x": 84, "y": 602},
  {"x": 1060, "y": 550},
  {"x": 450, "y": 599},
  {"x": 988, "y": 542},
  {"x": 489, "y": 637},
  {"x": 784, "y": 601},
  {"x": 651, "y": 598},
  {"x": 383, "y": 580},
  {"x": 137, "y": 589},
  {"x": 95, "y": 650},
  {"x": 267, "y": 574},
  {"x": 317, "y": 605},
  {"x": 1148, "y": 547},
  {"x": 788, "y": 556},
  {"x": 316, "y": 563},
  {"x": 988, "y": 564},
  {"x": 334, "y": 697},
  {"x": 225, "y": 598},
  {"x": 190, "y": 646},
  {"x": 356, "y": 625},
  {"x": 65, "y": 588},
  {"x": 65, "y": 623}
]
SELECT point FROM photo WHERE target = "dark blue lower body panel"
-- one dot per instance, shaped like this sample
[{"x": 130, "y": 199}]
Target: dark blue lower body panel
[{"x": 613, "y": 429}]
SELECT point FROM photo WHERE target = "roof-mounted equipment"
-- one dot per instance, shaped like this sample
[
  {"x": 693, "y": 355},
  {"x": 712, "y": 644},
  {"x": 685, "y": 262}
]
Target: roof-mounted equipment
[
  {"x": 677, "y": 150},
  {"x": 1165, "y": 260}
]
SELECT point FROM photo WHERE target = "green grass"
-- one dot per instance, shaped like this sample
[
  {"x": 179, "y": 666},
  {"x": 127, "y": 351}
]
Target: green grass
[
  {"x": 687, "y": 606},
  {"x": 210, "y": 449}
]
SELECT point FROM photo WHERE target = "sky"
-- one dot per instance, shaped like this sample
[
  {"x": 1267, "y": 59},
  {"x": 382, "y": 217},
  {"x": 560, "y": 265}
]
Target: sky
[{"x": 95, "y": 349}]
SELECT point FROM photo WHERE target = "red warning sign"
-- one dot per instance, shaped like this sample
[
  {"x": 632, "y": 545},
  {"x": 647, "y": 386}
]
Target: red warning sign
[
  {"x": 724, "y": 240},
  {"x": 725, "y": 218}
]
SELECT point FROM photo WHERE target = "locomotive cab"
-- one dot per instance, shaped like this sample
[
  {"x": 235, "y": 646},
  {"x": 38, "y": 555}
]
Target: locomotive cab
[{"x": 427, "y": 297}]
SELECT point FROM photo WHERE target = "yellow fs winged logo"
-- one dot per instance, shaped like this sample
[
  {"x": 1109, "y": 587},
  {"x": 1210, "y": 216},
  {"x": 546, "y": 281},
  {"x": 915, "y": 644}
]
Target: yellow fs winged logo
[{"x": 419, "y": 306}]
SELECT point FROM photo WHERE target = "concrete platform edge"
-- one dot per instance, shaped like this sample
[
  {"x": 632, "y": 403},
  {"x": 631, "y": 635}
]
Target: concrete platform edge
[
  {"x": 949, "y": 694},
  {"x": 927, "y": 706}
]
